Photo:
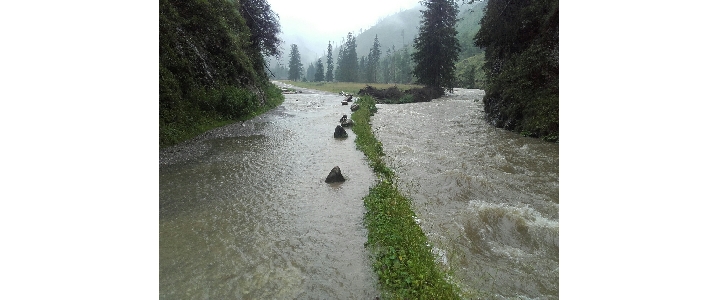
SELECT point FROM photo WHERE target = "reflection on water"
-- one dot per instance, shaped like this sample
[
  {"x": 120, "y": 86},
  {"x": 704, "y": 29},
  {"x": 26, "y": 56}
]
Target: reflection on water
[
  {"x": 488, "y": 198},
  {"x": 245, "y": 212}
]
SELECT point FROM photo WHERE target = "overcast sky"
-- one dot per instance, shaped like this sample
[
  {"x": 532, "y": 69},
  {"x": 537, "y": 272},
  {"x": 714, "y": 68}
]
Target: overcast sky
[{"x": 316, "y": 22}]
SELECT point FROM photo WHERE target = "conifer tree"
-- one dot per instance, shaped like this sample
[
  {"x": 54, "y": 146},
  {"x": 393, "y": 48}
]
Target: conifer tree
[
  {"x": 295, "y": 64},
  {"x": 310, "y": 73},
  {"x": 339, "y": 73},
  {"x": 372, "y": 67},
  {"x": 348, "y": 65},
  {"x": 437, "y": 48},
  {"x": 319, "y": 73},
  {"x": 330, "y": 64}
]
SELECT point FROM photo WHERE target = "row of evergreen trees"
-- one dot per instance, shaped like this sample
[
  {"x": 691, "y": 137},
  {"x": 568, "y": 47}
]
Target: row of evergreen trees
[
  {"x": 394, "y": 67},
  {"x": 519, "y": 63}
]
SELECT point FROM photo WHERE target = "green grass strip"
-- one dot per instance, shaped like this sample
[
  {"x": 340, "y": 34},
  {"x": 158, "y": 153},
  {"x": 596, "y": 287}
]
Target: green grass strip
[{"x": 401, "y": 253}]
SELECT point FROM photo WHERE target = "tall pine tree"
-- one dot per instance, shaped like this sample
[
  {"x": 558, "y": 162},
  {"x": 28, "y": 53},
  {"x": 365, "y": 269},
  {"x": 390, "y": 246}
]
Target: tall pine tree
[
  {"x": 330, "y": 64},
  {"x": 437, "y": 48},
  {"x": 348, "y": 64},
  {"x": 295, "y": 64},
  {"x": 372, "y": 67},
  {"x": 319, "y": 73}
]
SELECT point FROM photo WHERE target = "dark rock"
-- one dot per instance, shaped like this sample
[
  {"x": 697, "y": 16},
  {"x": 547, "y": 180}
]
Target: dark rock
[
  {"x": 339, "y": 132},
  {"x": 335, "y": 176},
  {"x": 347, "y": 123},
  {"x": 354, "y": 107},
  {"x": 345, "y": 103},
  {"x": 344, "y": 118}
]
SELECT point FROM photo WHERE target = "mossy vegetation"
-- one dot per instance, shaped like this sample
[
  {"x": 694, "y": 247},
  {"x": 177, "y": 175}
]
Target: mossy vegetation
[
  {"x": 211, "y": 67},
  {"x": 401, "y": 253}
]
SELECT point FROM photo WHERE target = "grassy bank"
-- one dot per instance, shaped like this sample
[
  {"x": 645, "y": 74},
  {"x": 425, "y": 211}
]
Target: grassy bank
[
  {"x": 401, "y": 254},
  {"x": 209, "y": 109}
]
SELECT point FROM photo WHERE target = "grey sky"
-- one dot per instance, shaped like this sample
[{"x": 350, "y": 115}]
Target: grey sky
[{"x": 314, "y": 23}]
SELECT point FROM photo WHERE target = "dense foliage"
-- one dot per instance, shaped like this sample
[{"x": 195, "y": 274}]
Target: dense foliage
[
  {"x": 521, "y": 42},
  {"x": 437, "y": 48},
  {"x": 211, "y": 66}
]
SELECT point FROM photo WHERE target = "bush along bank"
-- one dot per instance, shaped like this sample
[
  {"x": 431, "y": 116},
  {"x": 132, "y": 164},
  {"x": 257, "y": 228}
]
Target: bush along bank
[
  {"x": 401, "y": 253},
  {"x": 393, "y": 95}
]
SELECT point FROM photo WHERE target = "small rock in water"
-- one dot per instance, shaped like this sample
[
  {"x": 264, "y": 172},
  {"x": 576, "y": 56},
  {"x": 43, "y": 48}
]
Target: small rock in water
[
  {"x": 335, "y": 176},
  {"x": 344, "y": 118},
  {"x": 347, "y": 123},
  {"x": 354, "y": 107},
  {"x": 339, "y": 132}
]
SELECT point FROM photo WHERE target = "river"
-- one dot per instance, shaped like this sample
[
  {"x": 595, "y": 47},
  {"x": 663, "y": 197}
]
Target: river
[
  {"x": 245, "y": 212},
  {"x": 487, "y": 198}
]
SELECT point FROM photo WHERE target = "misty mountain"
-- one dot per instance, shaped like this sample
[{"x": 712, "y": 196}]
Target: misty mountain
[
  {"x": 401, "y": 28},
  {"x": 396, "y": 30}
]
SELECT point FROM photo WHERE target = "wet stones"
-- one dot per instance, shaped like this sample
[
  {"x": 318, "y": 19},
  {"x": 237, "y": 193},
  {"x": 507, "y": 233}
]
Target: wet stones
[
  {"x": 340, "y": 133},
  {"x": 335, "y": 175},
  {"x": 347, "y": 123},
  {"x": 354, "y": 107}
]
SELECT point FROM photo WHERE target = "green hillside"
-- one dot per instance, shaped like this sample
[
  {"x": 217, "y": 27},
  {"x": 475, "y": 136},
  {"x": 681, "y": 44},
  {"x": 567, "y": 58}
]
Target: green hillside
[{"x": 211, "y": 66}]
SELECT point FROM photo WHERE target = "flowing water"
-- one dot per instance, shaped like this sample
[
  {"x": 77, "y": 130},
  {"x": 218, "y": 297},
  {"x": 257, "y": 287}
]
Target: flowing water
[
  {"x": 245, "y": 212},
  {"x": 486, "y": 198}
]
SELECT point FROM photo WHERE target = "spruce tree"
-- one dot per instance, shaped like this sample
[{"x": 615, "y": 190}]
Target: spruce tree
[
  {"x": 295, "y": 64},
  {"x": 310, "y": 73},
  {"x": 340, "y": 58},
  {"x": 372, "y": 67},
  {"x": 330, "y": 64},
  {"x": 348, "y": 65},
  {"x": 319, "y": 73},
  {"x": 437, "y": 48}
]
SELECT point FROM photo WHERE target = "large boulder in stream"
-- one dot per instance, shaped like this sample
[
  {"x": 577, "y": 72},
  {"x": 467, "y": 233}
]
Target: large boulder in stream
[
  {"x": 335, "y": 176},
  {"x": 339, "y": 132}
]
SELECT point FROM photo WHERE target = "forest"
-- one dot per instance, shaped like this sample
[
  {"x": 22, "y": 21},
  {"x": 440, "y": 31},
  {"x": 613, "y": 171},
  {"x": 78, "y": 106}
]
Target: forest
[
  {"x": 507, "y": 48},
  {"x": 215, "y": 61}
]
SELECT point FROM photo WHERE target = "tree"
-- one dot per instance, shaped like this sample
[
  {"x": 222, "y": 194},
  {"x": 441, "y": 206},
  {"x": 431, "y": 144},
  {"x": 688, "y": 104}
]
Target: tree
[
  {"x": 521, "y": 51},
  {"x": 330, "y": 64},
  {"x": 348, "y": 65},
  {"x": 319, "y": 73},
  {"x": 295, "y": 64},
  {"x": 437, "y": 48},
  {"x": 339, "y": 73},
  {"x": 372, "y": 66},
  {"x": 310, "y": 73},
  {"x": 263, "y": 25}
]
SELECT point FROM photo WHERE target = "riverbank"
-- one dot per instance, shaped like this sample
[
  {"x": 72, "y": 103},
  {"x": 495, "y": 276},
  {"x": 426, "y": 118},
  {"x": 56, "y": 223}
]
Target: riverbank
[{"x": 402, "y": 256}]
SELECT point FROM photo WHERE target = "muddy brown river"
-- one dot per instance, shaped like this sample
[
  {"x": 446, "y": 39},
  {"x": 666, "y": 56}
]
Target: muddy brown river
[{"x": 245, "y": 212}]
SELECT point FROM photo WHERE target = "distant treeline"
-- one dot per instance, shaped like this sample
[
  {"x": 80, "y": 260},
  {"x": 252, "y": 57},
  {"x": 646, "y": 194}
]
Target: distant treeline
[{"x": 212, "y": 65}]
